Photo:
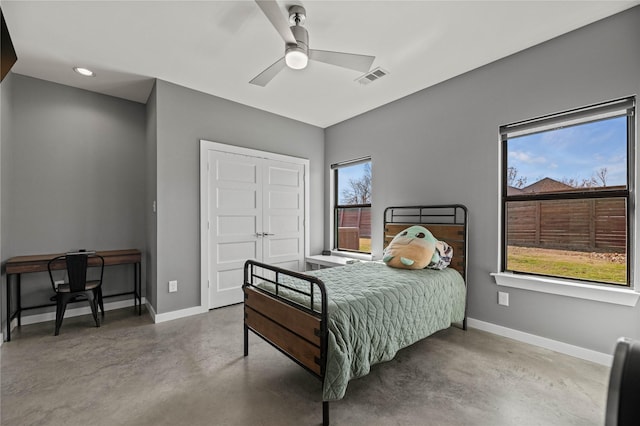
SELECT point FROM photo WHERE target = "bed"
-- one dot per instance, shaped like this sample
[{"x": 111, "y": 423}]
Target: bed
[{"x": 338, "y": 322}]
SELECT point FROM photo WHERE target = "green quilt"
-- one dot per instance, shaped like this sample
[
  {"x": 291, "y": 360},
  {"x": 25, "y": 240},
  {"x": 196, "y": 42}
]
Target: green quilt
[{"x": 375, "y": 310}]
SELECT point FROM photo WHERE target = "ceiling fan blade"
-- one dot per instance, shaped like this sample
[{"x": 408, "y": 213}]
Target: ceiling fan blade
[
  {"x": 352, "y": 61},
  {"x": 273, "y": 13},
  {"x": 267, "y": 75}
]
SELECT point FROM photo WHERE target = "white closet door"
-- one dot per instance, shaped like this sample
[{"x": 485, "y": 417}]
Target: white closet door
[
  {"x": 235, "y": 223},
  {"x": 283, "y": 214}
]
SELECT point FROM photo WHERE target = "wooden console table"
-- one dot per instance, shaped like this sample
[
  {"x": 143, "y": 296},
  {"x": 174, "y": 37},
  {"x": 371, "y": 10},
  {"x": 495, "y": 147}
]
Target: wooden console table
[{"x": 16, "y": 266}]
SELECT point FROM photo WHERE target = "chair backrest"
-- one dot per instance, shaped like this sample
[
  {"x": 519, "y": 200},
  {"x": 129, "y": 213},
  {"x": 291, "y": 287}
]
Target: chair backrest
[
  {"x": 77, "y": 264},
  {"x": 623, "y": 398},
  {"x": 77, "y": 271}
]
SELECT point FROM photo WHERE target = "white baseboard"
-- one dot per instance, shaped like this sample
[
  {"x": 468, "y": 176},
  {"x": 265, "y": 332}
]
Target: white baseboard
[
  {"x": 554, "y": 345},
  {"x": 178, "y": 314},
  {"x": 84, "y": 310}
]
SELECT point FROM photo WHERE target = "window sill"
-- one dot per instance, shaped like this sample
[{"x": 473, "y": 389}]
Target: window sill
[
  {"x": 576, "y": 289},
  {"x": 326, "y": 261},
  {"x": 359, "y": 256}
]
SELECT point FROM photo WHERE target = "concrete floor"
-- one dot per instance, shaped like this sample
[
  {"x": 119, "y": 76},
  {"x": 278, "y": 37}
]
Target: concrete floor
[{"x": 191, "y": 372}]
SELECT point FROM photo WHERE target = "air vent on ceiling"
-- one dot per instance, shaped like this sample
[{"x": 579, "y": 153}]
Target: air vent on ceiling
[{"x": 372, "y": 75}]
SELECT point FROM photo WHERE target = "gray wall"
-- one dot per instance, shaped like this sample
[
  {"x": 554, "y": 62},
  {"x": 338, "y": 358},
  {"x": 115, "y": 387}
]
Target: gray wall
[
  {"x": 72, "y": 177},
  {"x": 440, "y": 146},
  {"x": 184, "y": 117}
]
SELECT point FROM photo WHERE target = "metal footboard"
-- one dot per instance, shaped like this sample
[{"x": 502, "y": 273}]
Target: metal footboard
[{"x": 288, "y": 310}]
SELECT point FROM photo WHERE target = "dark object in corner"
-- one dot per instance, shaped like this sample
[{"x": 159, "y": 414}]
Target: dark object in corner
[
  {"x": 623, "y": 399},
  {"x": 326, "y": 252},
  {"x": 9, "y": 56}
]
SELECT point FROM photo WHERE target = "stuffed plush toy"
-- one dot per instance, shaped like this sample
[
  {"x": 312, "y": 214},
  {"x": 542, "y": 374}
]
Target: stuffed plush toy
[{"x": 413, "y": 248}]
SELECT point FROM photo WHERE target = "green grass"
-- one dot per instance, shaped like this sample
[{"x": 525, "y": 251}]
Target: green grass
[
  {"x": 365, "y": 245},
  {"x": 566, "y": 264}
]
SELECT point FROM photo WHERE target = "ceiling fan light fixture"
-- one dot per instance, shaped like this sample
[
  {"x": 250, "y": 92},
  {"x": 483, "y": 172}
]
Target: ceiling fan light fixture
[{"x": 296, "y": 58}]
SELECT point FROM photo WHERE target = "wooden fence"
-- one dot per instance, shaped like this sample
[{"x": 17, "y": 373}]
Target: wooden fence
[
  {"x": 583, "y": 225},
  {"x": 356, "y": 218},
  {"x": 353, "y": 224}
]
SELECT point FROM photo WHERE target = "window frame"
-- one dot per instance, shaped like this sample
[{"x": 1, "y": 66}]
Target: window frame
[
  {"x": 337, "y": 206},
  {"x": 575, "y": 117}
]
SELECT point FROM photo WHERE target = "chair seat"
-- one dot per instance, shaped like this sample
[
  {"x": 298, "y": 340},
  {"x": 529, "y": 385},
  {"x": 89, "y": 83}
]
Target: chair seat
[{"x": 65, "y": 288}]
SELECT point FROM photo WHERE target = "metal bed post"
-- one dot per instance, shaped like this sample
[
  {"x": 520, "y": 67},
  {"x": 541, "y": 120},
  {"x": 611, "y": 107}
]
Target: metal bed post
[
  {"x": 465, "y": 267},
  {"x": 324, "y": 340},
  {"x": 244, "y": 322}
]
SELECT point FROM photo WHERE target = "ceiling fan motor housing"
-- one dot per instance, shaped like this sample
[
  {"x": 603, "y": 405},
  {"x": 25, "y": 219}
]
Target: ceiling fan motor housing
[{"x": 302, "y": 37}]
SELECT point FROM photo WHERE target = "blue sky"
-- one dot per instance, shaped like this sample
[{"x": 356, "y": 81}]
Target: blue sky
[
  {"x": 576, "y": 152},
  {"x": 348, "y": 173}
]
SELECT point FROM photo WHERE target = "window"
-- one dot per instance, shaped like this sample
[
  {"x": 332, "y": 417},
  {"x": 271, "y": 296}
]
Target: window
[
  {"x": 352, "y": 206},
  {"x": 567, "y": 181}
]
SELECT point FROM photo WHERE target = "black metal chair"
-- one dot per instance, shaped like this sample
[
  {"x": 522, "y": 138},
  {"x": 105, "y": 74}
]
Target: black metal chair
[
  {"x": 77, "y": 288},
  {"x": 623, "y": 398}
]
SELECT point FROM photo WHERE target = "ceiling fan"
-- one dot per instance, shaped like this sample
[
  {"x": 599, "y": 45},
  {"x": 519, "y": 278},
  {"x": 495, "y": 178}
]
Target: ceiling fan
[{"x": 296, "y": 48}]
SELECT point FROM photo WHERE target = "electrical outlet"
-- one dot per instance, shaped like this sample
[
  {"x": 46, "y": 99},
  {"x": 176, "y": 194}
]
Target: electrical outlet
[
  {"x": 503, "y": 298},
  {"x": 173, "y": 286}
]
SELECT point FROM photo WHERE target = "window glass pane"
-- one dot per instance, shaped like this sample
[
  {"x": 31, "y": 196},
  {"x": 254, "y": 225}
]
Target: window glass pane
[
  {"x": 586, "y": 156},
  {"x": 581, "y": 239},
  {"x": 354, "y": 229},
  {"x": 353, "y": 207},
  {"x": 354, "y": 184}
]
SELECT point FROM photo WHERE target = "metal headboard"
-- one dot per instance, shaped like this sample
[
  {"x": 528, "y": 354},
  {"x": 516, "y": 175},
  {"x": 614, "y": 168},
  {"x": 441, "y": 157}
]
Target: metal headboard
[{"x": 448, "y": 223}]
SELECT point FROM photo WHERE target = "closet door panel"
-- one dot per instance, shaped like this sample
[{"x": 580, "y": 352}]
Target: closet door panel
[
  {"x": 283, "y": 214},
  {"x": 235, "y": 223}
]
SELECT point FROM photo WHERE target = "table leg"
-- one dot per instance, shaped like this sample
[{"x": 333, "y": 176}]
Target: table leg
[
  {"x": 138, "y": 287},
  {"x": 19, "y": 300},
  {"x": 9, "y": 307}
]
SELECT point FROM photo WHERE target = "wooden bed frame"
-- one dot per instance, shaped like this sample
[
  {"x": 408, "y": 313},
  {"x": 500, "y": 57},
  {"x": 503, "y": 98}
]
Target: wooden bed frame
[{"x": 300, "y": 331}]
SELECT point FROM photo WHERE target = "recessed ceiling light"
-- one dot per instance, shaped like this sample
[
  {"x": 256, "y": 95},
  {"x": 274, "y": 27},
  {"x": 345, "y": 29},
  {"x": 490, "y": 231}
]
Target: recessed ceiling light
[{"x": 84, "y": 71}]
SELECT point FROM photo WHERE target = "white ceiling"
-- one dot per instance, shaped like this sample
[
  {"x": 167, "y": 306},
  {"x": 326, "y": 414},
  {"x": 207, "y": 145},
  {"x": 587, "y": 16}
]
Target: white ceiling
[{"x": 216, "y": 47}]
